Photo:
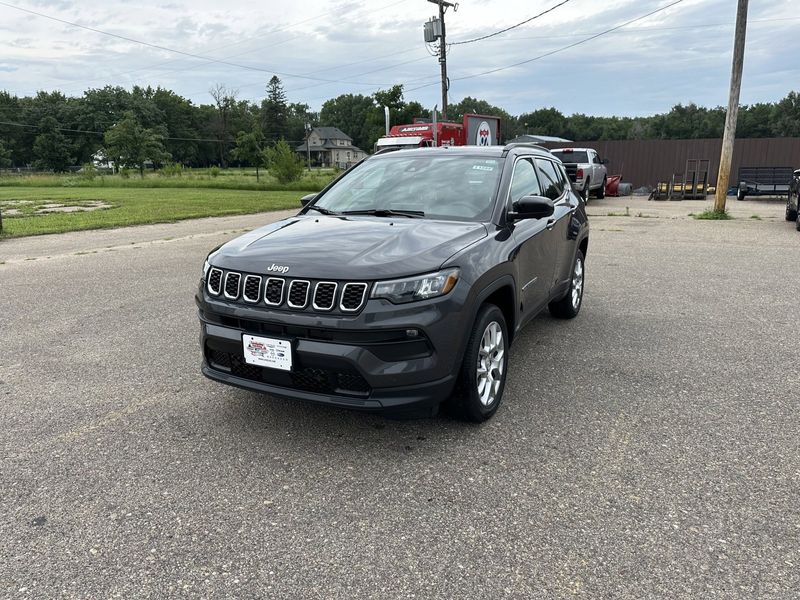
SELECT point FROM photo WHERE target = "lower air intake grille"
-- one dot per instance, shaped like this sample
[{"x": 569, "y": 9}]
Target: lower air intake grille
[
  {"x": 334, "y": 382},
  {"x": 324, "y": 295}
]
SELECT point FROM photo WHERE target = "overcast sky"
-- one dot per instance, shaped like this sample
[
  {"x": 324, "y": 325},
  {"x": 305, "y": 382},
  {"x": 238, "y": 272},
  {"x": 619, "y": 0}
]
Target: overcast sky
[{"x": 682, "y": 54}]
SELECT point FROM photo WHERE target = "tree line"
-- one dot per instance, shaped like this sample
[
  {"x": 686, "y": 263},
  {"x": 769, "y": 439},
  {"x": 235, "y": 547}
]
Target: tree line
[{"x": 143, "y": 125}]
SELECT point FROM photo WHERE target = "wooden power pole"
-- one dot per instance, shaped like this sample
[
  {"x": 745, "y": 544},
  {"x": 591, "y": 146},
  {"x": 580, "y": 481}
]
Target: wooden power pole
[
  {"x": 726, "y": 157},
  {"x": 443, "y": 6}
]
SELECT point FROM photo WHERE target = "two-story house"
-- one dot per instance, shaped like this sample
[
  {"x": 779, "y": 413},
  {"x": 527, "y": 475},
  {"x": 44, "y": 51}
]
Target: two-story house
[{"x": 331, "y": 147}]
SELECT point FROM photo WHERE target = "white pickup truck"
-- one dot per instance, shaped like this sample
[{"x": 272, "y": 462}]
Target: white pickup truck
[{"x": 585, "y": 169}]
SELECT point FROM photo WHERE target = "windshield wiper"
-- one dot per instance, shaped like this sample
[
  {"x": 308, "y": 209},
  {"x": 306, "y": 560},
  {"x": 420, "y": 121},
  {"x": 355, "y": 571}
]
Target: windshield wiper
[
  {"x": 322, "y": 210},
  {"x": 387, "y": 212}
]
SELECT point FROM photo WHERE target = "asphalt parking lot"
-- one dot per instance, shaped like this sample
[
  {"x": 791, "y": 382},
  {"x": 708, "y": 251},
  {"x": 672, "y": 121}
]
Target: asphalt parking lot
[{"x": 648, "y": 449}]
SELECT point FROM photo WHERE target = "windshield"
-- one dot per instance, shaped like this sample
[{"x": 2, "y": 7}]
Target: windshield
[
  {"x": 579, "y": 156},
  {"x": 460, "y": 188}
]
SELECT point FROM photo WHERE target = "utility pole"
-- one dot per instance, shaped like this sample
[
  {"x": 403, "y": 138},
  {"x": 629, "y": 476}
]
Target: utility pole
[
  {"x": 308, "y": 144},
  {"x": 726, "y": 157},
  {"x": 441, "y": 33}
]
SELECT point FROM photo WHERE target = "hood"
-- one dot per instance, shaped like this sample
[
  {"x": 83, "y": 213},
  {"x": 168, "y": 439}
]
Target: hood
[{"x": 368, "y": 248}]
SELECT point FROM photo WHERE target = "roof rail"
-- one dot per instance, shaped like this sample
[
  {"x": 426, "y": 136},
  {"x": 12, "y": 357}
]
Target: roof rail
[{"x": 524, "y": 145}]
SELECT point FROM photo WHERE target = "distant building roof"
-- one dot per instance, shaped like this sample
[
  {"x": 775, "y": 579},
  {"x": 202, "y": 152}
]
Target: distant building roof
[
  {"x": 331, "y": 133},
  {"x": 538, "y": 139}
]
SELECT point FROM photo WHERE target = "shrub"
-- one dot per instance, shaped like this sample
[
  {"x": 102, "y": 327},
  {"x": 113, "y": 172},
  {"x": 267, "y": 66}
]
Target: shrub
[
  {"x": 283, "y": 162},
  {"x": 88, "y": 171},
  {"x": 214, "y": 171},
  {"x": 125, "y": 173},
  {"x": 172, "y": 170}
]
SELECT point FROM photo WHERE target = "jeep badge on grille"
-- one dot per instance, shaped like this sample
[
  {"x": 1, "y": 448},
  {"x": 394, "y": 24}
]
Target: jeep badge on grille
[{"x": 278, "y": 269}]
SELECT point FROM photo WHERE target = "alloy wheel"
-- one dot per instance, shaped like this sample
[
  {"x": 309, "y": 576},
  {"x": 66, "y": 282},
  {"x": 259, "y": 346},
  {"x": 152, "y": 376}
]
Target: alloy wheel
[{"x": 491, "y": 363}]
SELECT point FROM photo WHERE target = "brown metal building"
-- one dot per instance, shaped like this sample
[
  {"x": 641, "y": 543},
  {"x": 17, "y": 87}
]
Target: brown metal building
[{"x": 646, "y": 162}]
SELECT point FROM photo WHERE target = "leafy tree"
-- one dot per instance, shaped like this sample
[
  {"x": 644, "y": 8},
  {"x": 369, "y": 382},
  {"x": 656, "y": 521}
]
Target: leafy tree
[
  {"x": 131, "y": 145},
  {"x": 5, "y": 156},
  {"x": 283, "y": 162},
  {"x": 275, "y": 111},
  {"x": 249, "y": 149},
  {"x": 51, "y": 148},
  {"x": 350, "y": 113},
  {"x": 787, "y": 116},
  {"x": 300, "y": 115},
  {"x": 509, "y": 128}
]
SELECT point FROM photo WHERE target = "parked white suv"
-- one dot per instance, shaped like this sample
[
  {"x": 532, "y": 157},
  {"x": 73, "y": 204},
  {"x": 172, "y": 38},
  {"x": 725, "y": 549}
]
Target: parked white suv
[{"x": 585, "y": 169}]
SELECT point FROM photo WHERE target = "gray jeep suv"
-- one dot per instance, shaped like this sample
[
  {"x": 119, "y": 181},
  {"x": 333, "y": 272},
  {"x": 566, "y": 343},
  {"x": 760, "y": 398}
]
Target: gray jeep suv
[{"x": 402, "y": 284}]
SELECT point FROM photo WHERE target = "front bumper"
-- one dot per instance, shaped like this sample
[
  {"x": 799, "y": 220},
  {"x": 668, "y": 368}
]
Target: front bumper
[{"x": 366, "y": 361}]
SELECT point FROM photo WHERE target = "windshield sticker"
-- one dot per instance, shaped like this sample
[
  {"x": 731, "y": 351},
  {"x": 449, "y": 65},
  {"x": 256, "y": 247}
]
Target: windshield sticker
[{"x": 482, "y": 168}]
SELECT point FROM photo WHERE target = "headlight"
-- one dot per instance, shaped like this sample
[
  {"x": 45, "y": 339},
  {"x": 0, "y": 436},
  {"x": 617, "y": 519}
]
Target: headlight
[
  {"x": 422, "y": 287},
  {"x": 206, "y": 267}
]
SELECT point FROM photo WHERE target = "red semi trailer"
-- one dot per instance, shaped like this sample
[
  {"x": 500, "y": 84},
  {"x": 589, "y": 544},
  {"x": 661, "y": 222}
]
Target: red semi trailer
[{"x": 476, "y": 130}]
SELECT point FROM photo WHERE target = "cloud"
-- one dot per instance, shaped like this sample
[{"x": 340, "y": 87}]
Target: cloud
[{"x": 679, "y": 55}]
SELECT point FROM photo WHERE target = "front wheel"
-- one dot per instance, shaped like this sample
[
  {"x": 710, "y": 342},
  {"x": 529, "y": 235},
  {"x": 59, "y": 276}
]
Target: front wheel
[
  {"x": 791, "y": 213},
  {"x": 586, "y": 191},
  {"x": 482, "y": 378},
  {"x": 797, "y": 222},
  {"x": 570, "y": 305},
  {"x": 601, "y": 193}
]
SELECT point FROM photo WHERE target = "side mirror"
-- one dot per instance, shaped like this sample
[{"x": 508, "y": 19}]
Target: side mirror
[
  {"x": 532, "y": 207},
  {"x": 307, "y": 198},
  {"x": 605, "y": 161}
]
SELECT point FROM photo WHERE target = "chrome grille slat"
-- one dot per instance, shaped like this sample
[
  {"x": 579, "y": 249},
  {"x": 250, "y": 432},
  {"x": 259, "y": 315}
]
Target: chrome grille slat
[
  {"x": 232, "y": 282},
  {"x": 252, "y": 283},
  {"x": 214, "y": 281},
  {"x": 324, "y": 295},
  {"x": 273, "y": 291},
  {"x": 353, "y": 295},
  {"x": 298, "y": 289}
]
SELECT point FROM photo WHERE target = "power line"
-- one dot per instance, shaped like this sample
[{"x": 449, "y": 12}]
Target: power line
[
  {"x": 520, "y": 24},
  {"x": 285, "y": 41},
  {"x": 557, "y": 50},
  {"x": 86, "y": 131},
  {"x": 181, "y": 52}
]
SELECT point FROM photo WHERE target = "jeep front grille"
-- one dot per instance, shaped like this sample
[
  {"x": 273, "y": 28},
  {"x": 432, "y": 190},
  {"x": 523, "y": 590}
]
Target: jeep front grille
[
  {"x": 252, "y": 289},
  {"x": 215, "y": 281},
  {"x": 273, "y": 293},
  {"x": 298, "y": 294},
  {"x": 352, "y": 296},
  {"x": 286, "y": 293},
  {"x": 232, "y": 281},
  {"x": 324, "y": 295}
]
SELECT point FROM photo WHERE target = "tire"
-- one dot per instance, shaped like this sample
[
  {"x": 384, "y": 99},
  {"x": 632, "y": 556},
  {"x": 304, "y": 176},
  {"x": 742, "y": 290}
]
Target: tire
[
  {"x": 601, "y": 193},
  {"x": 791, "y": 214},
  {"x": 477, "y": 397},
  {"x": 586, "y": 192},
  {"x": 570, "y": 305},
  {"x": 797, "y": 222},
  {"x": 741, "y": 195}
]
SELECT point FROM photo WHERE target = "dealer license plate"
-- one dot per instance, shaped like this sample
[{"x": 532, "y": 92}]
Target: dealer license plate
[{"x": 267, "y": 352}]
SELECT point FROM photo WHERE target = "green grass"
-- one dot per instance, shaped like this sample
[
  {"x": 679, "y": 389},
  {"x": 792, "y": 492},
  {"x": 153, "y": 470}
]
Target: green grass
[
  {"x": 129, "y": 206},
  {"x": 713, "y": 215},
  {"x": 228, "y": 179}
]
